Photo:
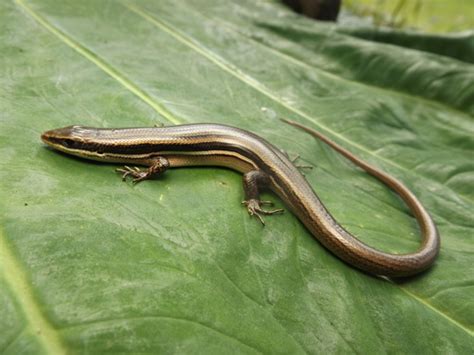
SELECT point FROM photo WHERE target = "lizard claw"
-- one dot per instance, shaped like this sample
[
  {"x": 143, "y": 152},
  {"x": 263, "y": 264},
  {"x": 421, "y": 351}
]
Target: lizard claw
[
  {"x": 254, "y": 209},
  {"x": 134, "y": 172}
]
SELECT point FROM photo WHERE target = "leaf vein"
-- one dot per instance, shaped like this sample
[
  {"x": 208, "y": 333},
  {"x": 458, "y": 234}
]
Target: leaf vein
[
  {"x": 163, "y": 317},
  {"x": 437, "y": 311},
  {"x": 99, "y": 62},
  {"x": 16, "y": 277}
]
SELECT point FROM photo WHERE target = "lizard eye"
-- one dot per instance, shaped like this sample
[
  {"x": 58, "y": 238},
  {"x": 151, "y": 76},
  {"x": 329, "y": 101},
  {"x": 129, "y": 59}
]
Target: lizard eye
[{"x": 69, "y": 143}]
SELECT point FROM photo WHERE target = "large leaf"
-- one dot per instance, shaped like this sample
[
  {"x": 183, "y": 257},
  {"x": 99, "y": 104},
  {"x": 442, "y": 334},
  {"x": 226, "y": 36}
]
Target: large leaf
[{"x": 92, "y": 264}]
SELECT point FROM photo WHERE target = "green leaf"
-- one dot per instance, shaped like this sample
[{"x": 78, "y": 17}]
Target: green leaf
[{"x": 90, "y": 264}]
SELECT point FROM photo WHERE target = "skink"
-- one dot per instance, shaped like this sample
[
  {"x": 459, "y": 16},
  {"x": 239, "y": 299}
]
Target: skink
[{"x": 263, "y": 166}]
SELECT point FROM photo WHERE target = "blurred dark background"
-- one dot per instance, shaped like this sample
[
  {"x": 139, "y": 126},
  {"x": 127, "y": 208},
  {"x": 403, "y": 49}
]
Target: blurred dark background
[
  {"x": 439, "y": 16},
  {"x": 324, "y": 10}
]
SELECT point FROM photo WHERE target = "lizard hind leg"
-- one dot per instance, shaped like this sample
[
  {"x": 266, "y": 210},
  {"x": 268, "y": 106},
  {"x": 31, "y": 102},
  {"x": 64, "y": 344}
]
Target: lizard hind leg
[{"x": 252, "y": 180}]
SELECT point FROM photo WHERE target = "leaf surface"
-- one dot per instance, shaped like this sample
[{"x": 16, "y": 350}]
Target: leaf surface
[{"x": 91, "y": 264}]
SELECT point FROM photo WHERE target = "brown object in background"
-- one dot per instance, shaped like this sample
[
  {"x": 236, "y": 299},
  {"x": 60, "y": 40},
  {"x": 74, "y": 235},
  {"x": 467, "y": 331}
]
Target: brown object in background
[{"x": 324, "y": 10}]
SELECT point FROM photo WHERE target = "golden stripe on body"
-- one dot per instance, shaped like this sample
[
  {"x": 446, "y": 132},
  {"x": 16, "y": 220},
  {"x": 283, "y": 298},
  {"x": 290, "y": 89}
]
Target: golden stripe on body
[{"x": 244, "y": 151}]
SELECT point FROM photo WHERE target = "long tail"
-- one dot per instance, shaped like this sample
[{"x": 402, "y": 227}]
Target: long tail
[{"x": 397, "y": 265}]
